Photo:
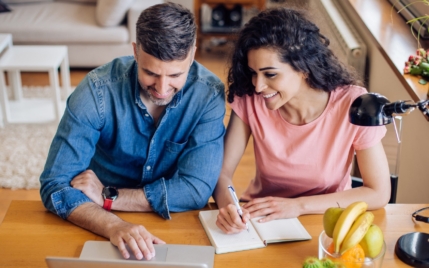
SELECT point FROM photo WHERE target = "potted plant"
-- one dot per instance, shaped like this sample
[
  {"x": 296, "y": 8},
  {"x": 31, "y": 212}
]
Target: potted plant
[{"x": 417, "y": 64}]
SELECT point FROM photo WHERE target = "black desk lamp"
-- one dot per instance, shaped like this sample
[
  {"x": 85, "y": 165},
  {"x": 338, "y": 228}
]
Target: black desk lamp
[{"x": 373, "y": 109}]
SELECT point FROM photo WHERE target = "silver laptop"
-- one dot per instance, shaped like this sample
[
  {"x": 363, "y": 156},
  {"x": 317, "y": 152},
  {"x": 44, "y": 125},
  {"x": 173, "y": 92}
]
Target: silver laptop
[{"x": 102, "y": 254}]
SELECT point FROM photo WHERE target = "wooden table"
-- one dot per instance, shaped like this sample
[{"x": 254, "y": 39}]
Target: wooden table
[{"x": 29, "y": 233}]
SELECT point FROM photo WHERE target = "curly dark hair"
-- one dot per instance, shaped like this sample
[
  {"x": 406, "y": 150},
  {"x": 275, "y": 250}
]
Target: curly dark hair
[
  {"x": 166, "y": 31},
  {"x": 298, "y": 43}
]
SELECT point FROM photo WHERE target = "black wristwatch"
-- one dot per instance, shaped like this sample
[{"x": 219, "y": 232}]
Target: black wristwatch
[{"x": 109, "y": 194}]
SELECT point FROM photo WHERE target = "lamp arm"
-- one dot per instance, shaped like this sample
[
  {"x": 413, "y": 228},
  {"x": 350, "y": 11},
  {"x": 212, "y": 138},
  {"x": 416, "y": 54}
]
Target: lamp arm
[
  {"x": 399, "y": 107},
  {"x": 405, "y": 107},
  {"x": 423, "y": 107}
]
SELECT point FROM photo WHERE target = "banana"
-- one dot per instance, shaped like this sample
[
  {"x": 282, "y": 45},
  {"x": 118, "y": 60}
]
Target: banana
[
  {"x": 345, "y": 221},
  {"x": 357, "y": 231}
]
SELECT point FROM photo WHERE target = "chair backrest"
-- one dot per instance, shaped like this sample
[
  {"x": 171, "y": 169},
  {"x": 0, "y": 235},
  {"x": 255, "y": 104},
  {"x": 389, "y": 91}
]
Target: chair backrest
[{"x": 357, "y": 182}]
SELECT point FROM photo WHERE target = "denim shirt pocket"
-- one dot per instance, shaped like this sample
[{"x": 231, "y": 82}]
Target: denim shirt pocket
[
  {"x": 174, "y": 147},
  {"x": 171, "y": 156}
]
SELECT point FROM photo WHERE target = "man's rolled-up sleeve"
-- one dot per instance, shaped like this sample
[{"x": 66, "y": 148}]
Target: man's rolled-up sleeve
[{"x": 70, "y": 154}]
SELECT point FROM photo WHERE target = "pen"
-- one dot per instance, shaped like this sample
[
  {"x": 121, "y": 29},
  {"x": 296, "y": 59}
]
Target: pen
[{"x": 234, "y": 197}]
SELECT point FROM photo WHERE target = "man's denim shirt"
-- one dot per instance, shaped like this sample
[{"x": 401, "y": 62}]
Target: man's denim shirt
[{"x": 107, "y": 129}]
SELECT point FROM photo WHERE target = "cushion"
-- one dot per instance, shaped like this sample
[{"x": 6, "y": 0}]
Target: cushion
[
  {"x": 80, "y": 1},
  {"x": 59, "y": 23},
  {"x": 111, "y": 12},
  {"x": 24, "y": 1},
  {"x": 4, "y": 7}
]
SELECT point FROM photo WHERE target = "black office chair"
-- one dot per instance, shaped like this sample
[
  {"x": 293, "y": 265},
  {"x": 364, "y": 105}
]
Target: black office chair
[{"x": 393, "y": 149}]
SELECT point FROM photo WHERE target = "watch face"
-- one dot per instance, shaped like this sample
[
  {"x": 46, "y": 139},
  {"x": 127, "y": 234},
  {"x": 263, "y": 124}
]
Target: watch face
[{"x": 110, "y": 192}]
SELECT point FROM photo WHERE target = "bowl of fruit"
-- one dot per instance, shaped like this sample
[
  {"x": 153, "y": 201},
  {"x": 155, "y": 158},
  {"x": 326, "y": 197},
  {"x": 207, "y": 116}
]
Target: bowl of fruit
[{"x": 350, "y": 238}]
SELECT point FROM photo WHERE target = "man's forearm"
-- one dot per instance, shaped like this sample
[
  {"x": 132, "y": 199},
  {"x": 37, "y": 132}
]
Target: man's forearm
[
  {"x": 131, "y": 200},
  {"x": 94, "y": 218}
]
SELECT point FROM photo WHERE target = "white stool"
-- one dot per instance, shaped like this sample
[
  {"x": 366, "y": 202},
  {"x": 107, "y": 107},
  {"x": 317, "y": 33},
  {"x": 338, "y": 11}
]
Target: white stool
[
  {"x": 5, "y": 43},
  {"x": 33, "y": 59}
]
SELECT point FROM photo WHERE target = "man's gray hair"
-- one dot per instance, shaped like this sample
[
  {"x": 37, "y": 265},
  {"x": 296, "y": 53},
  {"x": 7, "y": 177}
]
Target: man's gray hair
[{"x": 166, "y": 31}]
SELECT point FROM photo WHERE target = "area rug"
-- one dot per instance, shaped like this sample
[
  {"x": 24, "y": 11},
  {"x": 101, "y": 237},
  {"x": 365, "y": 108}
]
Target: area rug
[{"x": 24, "y": 148}]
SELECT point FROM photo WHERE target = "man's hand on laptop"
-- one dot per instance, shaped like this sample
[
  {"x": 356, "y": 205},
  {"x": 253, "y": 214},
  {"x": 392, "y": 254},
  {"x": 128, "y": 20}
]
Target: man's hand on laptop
[{"x": 136, "y": 237}]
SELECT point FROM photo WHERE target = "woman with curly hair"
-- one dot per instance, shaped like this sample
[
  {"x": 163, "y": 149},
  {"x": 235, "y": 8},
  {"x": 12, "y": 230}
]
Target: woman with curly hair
[{"x": 288, "y": 90}]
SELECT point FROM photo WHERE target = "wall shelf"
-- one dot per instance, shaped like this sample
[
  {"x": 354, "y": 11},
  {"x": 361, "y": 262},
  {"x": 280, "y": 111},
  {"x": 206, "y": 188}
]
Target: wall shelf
[{"x": 207, "y": 31}]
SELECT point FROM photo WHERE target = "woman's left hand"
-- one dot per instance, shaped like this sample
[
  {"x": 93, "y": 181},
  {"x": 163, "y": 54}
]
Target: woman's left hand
[{"x": 273, "y": 208}]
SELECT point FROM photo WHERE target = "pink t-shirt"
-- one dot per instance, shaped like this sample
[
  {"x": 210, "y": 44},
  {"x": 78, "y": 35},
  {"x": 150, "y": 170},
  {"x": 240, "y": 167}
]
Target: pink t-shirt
[{"x": 304, "y": 160}]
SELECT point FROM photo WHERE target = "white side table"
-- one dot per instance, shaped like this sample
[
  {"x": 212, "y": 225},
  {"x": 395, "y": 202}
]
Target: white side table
[
  {"x": 5, "y": 43},
  {"x": 33, "y": 59}
]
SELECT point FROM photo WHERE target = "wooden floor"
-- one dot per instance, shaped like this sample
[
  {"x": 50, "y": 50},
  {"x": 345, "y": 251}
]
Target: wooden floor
[{"x": 216, "y": 61}]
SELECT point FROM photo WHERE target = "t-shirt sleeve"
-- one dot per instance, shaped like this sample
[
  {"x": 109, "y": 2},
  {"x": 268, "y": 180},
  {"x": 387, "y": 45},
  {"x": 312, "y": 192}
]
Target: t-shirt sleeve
[
  {"x": 240, "y": 106},
  {"x": 366, "y": 137}
]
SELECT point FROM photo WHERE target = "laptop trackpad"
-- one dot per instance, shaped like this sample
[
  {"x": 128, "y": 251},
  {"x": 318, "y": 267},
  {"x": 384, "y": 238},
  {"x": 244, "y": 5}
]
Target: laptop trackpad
[{"x": 107, "y": 251}]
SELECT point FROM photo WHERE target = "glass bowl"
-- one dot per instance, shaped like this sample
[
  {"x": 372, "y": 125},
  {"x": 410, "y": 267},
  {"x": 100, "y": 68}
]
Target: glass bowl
[{"x": 325, "y": 242}]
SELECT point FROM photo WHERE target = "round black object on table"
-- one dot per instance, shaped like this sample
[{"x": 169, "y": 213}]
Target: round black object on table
[{"x": 413, "y": 249}]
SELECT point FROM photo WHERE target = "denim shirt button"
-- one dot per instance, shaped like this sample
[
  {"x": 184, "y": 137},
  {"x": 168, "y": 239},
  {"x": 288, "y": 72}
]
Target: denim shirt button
[
  {"x": 146, "y": 115},
  {"x": 148, "y": 168}
]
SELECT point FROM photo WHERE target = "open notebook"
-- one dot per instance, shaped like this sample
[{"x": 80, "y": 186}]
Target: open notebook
[{"x": 259, "y": 235}]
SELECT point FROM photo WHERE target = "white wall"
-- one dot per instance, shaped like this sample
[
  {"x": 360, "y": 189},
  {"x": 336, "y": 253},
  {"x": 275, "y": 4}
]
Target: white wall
[{"x": 413, "y": 175}]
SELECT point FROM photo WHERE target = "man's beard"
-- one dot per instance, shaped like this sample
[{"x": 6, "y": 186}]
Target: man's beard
[{"x": 154, "y": 100}]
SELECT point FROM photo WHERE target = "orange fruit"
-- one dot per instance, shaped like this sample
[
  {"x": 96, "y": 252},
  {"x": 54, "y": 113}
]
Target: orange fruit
[{"x": 352, "y": 258}]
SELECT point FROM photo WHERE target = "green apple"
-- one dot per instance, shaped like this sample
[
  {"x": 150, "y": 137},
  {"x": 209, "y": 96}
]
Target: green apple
[
  {"x": 330, "y": 218},
  {"x": 372, "y": 242}
]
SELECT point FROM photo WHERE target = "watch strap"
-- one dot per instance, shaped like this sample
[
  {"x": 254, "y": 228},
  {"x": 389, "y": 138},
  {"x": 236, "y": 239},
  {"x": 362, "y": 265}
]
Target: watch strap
[{"x": 107, "y": 204}]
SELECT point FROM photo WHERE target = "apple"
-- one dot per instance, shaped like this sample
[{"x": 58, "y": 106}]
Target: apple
[
  {"x": 372, "y": 242},
  {"x": 330, "y": 218}
]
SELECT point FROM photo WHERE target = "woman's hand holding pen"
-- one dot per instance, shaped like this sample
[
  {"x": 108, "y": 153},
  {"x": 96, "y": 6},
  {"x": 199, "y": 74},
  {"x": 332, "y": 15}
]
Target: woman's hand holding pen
[
  {"x": 273, "y": 208},
  {"x": 230, "y": 222}
]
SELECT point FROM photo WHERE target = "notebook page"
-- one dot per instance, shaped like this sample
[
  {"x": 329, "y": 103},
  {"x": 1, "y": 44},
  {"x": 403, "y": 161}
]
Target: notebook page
[
  {"x": 281, "y": 230},
  {"x": 228, "y": 242}
]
